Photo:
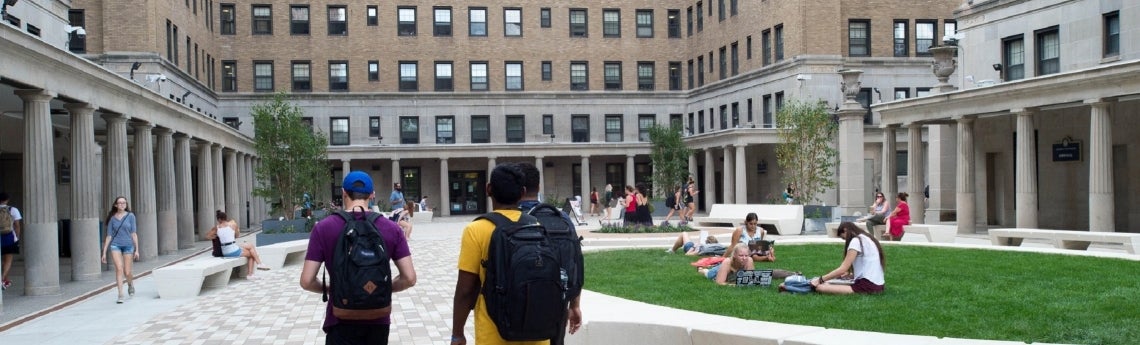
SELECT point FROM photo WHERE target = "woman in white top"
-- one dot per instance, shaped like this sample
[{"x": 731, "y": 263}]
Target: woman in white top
[
  {"x": 864, "y": 256},
  {"x": 749, "y": 232},
  {"x": 227, "y": 232}
]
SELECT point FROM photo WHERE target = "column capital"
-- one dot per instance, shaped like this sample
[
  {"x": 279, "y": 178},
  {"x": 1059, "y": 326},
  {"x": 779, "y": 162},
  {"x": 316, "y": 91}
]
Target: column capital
[
  {"x": 1099, "y": 101},
  {"x": 1027, "y": 111},
  {"x": 79, "y": 108},
  {"x": 344, "y": 160},
  {"x": 142, "y": 125},
  {"x": 229, "y": 151},
  {"x": 182, "y": 136},
  {"x": 914, "y": 124},
  {"x": 34, "y": 95},
  {"x": 216, "y": 146},
  {"x": 739, "y": 146},
  {"x": 891, "y": 126},
  {"x": 397, "y": 160},
  {"x": 163, "y": 131},
  {"x": 964, "y": 119},
  {"x": 115, "y": 117}
]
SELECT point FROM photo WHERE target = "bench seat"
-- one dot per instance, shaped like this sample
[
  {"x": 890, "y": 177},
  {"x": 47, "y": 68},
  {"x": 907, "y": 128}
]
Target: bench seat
[
  {"x": 833, "y": 229},
  {"x": 187, "y": 278},
  {"x": 1064, "y": 239},
  {"x": 784, "y": 219},
  {"x": 277, "y": 255},
  {"x": 934, "y": 233}
]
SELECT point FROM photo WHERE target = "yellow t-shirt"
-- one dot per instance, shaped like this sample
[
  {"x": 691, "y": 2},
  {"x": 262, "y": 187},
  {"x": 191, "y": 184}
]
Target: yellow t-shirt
[{"x": 472, "y": 252}]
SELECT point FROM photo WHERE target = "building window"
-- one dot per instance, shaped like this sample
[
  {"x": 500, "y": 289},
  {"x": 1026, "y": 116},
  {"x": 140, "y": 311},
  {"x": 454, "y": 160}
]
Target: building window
[
  {"x": 676, "y": 122},
  {"x": 302, "y": 78},
  {"x": 544, "y": 17},
  {"x": 548, "y": 124},
  {"x": 1013, "y": 58},
  {"x": 578, "y": 23},
  {"x": 779, "y": 42},
  {"x": 516, "y": 129},
  {"x": 229, "y": 76},
  {"x": 338, "y": 20},
  {"x": 262, "y": 20},
  {"x": 779, "y": 101},
  {"x": 736, "y": 114},
  {"x": 442, "y": 21},
  {"x": 299, "y": 20},
  {"x": 547, "y": 70},
  {"x": 748, "y": 48},
  {"x": 227, "y": 18},
  {"x": 612, "y": 74},
  {"x": 859, "y": 37},
  {"x": 513, "y": 75},
  {"x": 921, "y": 91},
  {"x": 1112, "y": 34},
  {"x": 408, "y": 81},
  {"x": 735, "y": 58},
  {"x": 901, "y": 163},
  {"x": 674, "y": 75},
  {"x": 480, "y": 129},
  {"x": 76, "y": 43},
  {"x": 689, "y": 21},
  {"x": 579, "y": 76},
  {"x": 924, "y": 33},
  {"x": 950, "y": 28},
  {"x": 374, "y": 126},
  {"x": 407, "y": 21},
  {"x": 766, "y": 111},
  {"x": 723, "y": 62},
  {"x": 338, "y": 75},
  {"x": 644, "y": 23},
  {"x": 171, "y": 41},
  {"x": 902, "y": 93},
  {"x": 445, "y": 130},
  {"x": 478, "y": 76},
  {"x": 735, "y": 9},
  {"x": 308, "y": 122},
  {"x": 700, "y": 16},
  {"x": 338, "y": 135},
  {"x": 644, "y": 123},
  {"x": 443, "y": 78},
  {"x": 674, "y": 21},
  {"x": 512, "y": 22},
  {"x": 580, "y": 128},
  {"x": 719, "y": 9},
  {"x": 902, "y": 46},
  {"x": 691, "y": 74},
  {"x": 373, "y": 70},
  {"x": 1048, "y": 51},
  {"x": 645, "y": 79},
  {"x": 371, "y": 15},
  {"x": 409, "y": 130},
  {"x": 477, "y": 21},
  {"x": 766, "y": 46},
  {"x": 864, "y": 99},
  {"x": 611, "y": 23},
  {"x": 613, "y": 128},
  {"x": 724, "y": 117},
  {"x": 262, "y": 76},
  {"x": 701, "y": 70}
]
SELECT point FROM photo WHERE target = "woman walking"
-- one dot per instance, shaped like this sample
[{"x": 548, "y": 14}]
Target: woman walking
[{"x": 123, "y": 241}]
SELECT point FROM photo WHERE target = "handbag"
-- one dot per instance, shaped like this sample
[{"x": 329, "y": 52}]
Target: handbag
[{"x": 217, "y": 244}]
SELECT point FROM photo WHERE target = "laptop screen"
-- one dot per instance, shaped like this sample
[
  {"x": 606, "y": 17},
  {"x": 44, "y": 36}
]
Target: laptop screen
[{"x": 754, "y": 278}]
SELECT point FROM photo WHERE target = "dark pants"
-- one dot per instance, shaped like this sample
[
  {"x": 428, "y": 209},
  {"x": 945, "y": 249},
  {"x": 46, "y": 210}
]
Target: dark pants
[
  {"x": 877, "y": 219},
  {"x": 561, "y": 337},
  {"x": 350, "y": 334}
]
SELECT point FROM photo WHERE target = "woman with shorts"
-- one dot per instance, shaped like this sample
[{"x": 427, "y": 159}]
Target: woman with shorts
[
  {"x": 738, "y": 261},
  {"x": 123, "y": 242},
  {"x": 227, "y": 232},
  {"x": 862, "y": 255}
]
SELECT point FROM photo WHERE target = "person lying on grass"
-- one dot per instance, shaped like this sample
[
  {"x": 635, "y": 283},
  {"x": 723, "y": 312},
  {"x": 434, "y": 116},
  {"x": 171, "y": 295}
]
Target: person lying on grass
[
  {"x": 739, "y": 260},
  {"x": 862, "y": 253},
  {"x": 691, "y": 248}
]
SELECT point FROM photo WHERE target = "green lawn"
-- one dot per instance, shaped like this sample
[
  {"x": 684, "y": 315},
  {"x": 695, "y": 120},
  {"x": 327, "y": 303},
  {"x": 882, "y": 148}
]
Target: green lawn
[{"x": 978, "y": 294}]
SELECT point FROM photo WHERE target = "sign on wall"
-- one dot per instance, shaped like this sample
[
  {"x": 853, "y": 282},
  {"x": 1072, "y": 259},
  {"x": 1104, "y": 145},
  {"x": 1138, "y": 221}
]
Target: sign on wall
[{"x": 1067, "y": 150}]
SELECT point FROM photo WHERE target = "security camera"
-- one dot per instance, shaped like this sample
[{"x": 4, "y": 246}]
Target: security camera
[
  {"x": 161, "y": 77},
  {"x": 77, "y": 30}
]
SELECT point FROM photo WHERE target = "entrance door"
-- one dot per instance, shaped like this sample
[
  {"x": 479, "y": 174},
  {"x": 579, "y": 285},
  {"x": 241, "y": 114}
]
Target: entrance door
[{"x": 468, "y": 192}]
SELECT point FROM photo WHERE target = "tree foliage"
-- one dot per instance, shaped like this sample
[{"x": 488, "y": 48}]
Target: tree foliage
[
  {"x": 670, "y": 158},
  {"x": 807, "y": 154},
  {"x": 293, "y": 155}
]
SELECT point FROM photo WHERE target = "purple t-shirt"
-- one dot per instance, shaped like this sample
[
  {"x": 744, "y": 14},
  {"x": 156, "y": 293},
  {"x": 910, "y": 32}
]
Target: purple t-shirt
[{"x": 322, "y": 243}]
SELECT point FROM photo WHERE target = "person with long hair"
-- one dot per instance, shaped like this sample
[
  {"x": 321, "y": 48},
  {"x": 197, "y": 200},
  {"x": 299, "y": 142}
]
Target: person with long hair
[
  {"x": 750, "y": 232},
  {"x": 863, "y": 255},
  {"x": 899, "y": 217},
  {"x": 676, "y": 207},
  {"x": 631, "y": 206},
  {"x": 690, "y": 200},
  {"x": 227, "y": 232},
  {"x": 644, "y": 216},
  {"x": 123, "y": 241},
  {"x": 594, "y": 202},
  {"x": 738, "y": 261},
  {"x": 878, "y": 214}
]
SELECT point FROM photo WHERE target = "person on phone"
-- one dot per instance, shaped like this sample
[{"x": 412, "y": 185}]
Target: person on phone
[{"x": 863, "y": 255}]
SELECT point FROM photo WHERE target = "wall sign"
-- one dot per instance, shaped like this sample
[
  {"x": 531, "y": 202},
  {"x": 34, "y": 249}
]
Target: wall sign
[{"x": 1067, "y": 151}]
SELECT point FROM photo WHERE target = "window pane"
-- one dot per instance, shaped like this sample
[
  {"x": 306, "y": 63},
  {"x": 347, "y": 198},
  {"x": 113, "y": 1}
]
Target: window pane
[{"x": 336, "y": 14}]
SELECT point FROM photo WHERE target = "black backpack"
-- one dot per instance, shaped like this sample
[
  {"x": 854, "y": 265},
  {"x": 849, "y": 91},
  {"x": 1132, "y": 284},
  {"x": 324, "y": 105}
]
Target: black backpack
[
  {"x": 565, "y": 240},
  {"x": 671, "y": 200},
  {"x": 524, "y": 290},
  {"x": 362, "y": 282}
]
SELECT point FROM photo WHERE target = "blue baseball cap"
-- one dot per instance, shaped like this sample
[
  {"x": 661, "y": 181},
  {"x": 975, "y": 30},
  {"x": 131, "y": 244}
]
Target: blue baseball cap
[{"x": 356, "y": 177}]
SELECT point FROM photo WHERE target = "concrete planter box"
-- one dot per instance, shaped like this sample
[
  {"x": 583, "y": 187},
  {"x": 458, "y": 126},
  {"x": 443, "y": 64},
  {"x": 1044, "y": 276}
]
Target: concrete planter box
[{"x": 273, "y": 226}]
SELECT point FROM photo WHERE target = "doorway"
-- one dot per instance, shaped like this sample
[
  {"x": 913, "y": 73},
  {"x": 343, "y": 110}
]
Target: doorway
[
  {"x": 468, "y": 192},
  {"x": 995, "y": 188},
  {"x": 1121, "y": 186}
]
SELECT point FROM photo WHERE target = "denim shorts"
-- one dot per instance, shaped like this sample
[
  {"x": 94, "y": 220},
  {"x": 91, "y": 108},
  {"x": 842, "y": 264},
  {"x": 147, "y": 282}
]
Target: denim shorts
[
  {"x": 712, "y": 272},
  {"x": 687, "y": 246},
  {"x": 123, "y": 249}
]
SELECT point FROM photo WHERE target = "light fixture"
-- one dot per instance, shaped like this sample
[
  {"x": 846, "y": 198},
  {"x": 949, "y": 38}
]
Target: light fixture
[
  {"x": 134, "y": 67},
  {"x": 997, "y": 67},
  {"x": 762, "y": 167},
  {"x": 187, "y": 94}
]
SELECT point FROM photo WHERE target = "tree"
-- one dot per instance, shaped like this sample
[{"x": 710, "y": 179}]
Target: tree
[
  {"x": 293, "y": 155},
  {"x": 670, "y": 158},
  {"x": 806, "y": 154}
]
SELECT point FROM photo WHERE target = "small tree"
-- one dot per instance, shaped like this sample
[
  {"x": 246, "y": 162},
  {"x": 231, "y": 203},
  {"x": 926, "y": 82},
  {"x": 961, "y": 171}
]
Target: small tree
[
  {"x": 807, "y": 154},
  {"x": 293, "y": 155},
  {"x": 670, "y": 158}
]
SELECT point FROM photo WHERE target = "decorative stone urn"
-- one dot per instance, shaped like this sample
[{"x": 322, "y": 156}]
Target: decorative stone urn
[
  {"x": 944, "y": 64},
  {"x": 850, "y": 87}
]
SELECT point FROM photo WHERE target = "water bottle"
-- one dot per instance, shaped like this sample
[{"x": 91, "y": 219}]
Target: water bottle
[{"x": 565, "y": 282}]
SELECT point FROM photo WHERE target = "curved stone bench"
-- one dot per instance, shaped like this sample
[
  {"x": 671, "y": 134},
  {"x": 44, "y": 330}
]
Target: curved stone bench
[
  {"x": 187, "y": 278},
  {"x": 277, "y": 255}
]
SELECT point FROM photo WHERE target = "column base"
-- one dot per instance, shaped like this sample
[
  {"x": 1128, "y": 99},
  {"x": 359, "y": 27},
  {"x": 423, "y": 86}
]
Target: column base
[
  {"x": 966, "y": 220},
  {"x": 1101, "y": 216}
]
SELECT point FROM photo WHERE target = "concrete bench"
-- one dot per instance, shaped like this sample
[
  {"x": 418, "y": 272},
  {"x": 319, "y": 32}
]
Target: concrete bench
[
  {"x": 833, "y": 229},
  {"x": 617, "y": 217},
  {"x": 277, "y": 255},
  {"x": 1066, "y": 239},
  {"x": 187, "y": 278},
  {"x": 934, "y": 233},
  {"x": 785, "y": 219}
]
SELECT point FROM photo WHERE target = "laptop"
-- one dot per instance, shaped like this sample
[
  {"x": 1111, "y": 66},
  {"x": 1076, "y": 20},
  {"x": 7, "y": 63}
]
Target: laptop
[
  {"x": 760, "y": 246},
  {"x": 761, "y": 278}
]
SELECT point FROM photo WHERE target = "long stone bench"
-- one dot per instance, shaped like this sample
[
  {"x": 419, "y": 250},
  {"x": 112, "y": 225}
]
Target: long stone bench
[
  {"x": 1066, "y": 239},
  {"x": 187, "y": 278},
  {"x": 785, "y": 219},
  {"x": 934, "y": 233},
  {"x": 277, "y": 255}
]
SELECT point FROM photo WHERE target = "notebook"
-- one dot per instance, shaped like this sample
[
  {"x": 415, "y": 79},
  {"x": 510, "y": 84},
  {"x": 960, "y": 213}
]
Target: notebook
[
  {"x": 754, "y": 278},
  {"x": 842, "y": 281}
]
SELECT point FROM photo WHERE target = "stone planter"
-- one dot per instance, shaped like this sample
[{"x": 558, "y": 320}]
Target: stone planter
[
  {"x": 817, "y": 216},
  {"x": 273, "y": 226},
  {"x": 944, "y": 65}
]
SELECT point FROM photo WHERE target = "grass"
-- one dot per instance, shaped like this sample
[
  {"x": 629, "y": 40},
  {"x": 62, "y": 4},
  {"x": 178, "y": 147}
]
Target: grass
[
  {"x": 944, "y": 292},
  {"x": 644, "y": 229}
]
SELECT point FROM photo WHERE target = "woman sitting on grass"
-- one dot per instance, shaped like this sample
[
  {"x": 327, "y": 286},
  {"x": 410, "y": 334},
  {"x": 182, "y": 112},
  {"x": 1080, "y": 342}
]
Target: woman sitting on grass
[
  {"x": 738, "y": 261},
  {"x": 863, "y": 254},
  {"x": 750, "y": 232}
]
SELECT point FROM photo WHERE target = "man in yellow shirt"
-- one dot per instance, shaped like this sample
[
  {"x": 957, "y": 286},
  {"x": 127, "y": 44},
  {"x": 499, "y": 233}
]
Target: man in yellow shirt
[{"x": 505, "y": 188}]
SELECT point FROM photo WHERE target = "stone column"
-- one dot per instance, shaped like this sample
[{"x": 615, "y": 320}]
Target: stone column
[
  {"x": 1026, "y": 170},
  {"x": 145, "y": 201},
  {"x": 491, "y": 163},
  {"x": 1101, "y": 205},
  {"x": 85, "y": 196},
  {"x": 183, "y": 187},
  {"x": 396, "y": 171},
  {"x": 707, "y": 194},
  {"x": 231, "y": 186},
  {"x": 729, "y": 174},
  {"x": 345, "y": 166},
  {"x": 118, "y": 169},
  {"x": 219, "y": 182},
  {"x": 741, "y": 176},
  {"x": 890, "y": 164},
  {"x": 444, "y": 188},
  {"x": 250, "y": 205},
  {"x": 585, "y": 178},
  {"x": 630, "y": 179},
  {"x": 541, "y": 176},
  {"x": 166, "y": 193},
  {"x": 965, "y": 203},
  {"x": 206, "y": 189},
  {"x": 915, "y": 180},
  {"x": 852, "y": 197},
  {"x": 692, "y": 165},
  {"x": 238, "y": 212},
  {"x": 40, "y": 231}
]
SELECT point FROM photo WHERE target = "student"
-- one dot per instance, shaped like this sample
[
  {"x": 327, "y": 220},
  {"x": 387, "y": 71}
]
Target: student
[
  {"x": 750, "y": 232},
  {"x": 357, "y": 190},
  {"x": 689, "y": 247},
  {"x": 227, "y": 231},
  {"x": 899, "y": 217},
  {"x": 594, "y": 201},
  {"x": 123, "y": 241},
  {"x": 864, "y": 256},
  {"x": 10, "y": 242},
  {"x": 738, "y": 261},
  {"x": 690, "y": 200},
  {"x": 676, "y": 207}
]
